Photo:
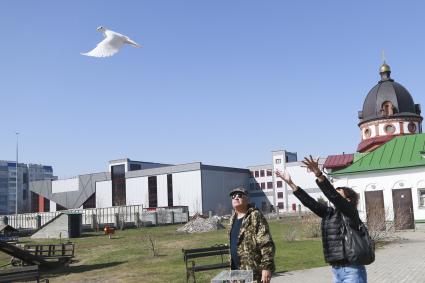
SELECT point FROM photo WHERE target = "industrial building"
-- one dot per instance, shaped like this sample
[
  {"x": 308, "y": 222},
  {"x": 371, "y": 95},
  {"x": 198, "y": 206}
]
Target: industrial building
[{"x": 201, "y": 187}]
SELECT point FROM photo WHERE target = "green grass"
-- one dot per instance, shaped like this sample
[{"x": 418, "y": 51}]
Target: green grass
[{"x": 128, "y": 258}]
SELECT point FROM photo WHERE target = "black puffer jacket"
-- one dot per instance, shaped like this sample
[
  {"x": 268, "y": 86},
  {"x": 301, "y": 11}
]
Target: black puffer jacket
[{"x": 333, "y": 248}]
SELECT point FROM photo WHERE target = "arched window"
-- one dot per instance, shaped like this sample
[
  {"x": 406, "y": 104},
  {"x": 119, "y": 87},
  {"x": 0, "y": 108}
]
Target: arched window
[
  {"x": 387, "y": 108},
  {"x": 367, "y": 133}
]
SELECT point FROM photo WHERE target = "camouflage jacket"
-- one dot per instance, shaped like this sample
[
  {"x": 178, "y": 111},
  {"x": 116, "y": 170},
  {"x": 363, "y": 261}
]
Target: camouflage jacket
[{"x": 255, "y": 244}]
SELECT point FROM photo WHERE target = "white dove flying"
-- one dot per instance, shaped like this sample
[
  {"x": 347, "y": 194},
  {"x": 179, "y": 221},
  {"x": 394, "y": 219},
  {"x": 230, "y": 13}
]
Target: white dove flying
[{"x": 111, "y": 44}]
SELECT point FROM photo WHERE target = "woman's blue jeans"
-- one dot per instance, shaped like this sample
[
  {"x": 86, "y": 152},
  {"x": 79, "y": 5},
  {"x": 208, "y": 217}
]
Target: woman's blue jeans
[{"x": 349, "y": 274}]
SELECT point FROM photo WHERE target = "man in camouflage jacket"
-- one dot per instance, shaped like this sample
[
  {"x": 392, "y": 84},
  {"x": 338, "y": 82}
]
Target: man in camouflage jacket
[{"x": 253, "y": 242}]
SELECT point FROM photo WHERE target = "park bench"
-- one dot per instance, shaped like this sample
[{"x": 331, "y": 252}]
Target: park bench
[
  {"x": 219, "y": 252},
  {"x": 60, "y": 253},
  {"x": 24, "y": 273}
]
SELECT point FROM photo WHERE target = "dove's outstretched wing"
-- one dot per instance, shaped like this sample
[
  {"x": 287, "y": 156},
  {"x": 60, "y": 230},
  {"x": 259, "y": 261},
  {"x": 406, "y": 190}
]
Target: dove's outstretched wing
[
  {"x": 107, "y": 47},
  {"x": 132, "y": 42}
]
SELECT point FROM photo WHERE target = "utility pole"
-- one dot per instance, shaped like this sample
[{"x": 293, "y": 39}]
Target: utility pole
[{"x": 17, "y": 174}]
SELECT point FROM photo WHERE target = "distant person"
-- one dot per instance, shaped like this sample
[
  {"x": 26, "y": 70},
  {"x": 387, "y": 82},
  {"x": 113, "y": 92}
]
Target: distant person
[
  {"x": 345, "y": 201},
  {"x": 251, "y": 244}
]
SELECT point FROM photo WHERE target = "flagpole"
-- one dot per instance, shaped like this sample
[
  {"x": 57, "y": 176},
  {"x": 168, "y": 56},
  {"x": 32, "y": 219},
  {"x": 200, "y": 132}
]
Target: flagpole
[{"x": 17, "y": 173}]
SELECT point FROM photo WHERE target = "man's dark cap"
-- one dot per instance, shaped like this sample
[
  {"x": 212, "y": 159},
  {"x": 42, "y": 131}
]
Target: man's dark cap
[{"x": 239, "y": 190}]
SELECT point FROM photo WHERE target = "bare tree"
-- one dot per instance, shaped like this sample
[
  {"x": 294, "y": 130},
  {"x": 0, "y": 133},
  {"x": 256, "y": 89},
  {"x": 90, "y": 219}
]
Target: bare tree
[
  {"x": 382, "y": 224},
  {"x": 150, "y": 243}
]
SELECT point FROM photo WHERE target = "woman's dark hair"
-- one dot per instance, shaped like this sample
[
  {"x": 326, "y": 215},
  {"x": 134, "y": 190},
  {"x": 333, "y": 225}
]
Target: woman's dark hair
[{"x": 350, "y": 194}]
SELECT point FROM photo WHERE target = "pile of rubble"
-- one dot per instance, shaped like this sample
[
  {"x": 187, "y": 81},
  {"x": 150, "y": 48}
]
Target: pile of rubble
[{"x": 199, "y": 224}]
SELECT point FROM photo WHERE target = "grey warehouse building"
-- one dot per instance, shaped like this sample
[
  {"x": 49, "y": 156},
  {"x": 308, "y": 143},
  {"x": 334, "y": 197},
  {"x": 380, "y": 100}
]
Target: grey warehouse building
[{"x": 201, "y": 187}]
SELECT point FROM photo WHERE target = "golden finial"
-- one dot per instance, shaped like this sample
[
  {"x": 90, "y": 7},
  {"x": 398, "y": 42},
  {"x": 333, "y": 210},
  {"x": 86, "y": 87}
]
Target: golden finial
[{"x": 384, "y": 68}]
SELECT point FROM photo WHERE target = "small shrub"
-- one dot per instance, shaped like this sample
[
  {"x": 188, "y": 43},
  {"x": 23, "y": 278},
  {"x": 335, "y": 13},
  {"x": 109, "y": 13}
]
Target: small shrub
[
  {"x": 291, "y": 234},
  {"x": 311, "y": 225},
  {"x": 379, "y": 229}
]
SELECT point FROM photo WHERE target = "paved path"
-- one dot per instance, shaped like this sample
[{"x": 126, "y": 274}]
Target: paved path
[{"x": 398, "y": 262}]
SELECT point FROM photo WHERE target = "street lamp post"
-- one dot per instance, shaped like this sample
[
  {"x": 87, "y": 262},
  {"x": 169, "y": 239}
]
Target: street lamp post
[{"x": 17, "y": 175}]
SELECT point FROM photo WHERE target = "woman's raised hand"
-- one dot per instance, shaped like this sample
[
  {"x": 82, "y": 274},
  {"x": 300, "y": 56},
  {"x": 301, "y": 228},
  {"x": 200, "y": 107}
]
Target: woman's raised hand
[
  {"x": 287, "y": 178},
  {"x": 312, "y": 165},
  {"x": 284, "y": 176}
]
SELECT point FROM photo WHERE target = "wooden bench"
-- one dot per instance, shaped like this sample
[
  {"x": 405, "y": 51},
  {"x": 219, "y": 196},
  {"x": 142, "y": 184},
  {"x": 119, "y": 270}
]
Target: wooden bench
[
  {"x": 51, "y": 250},
  {"x": 52, "y": 253},
  {"x": 26, "y": 273},
  {"x": 218, "y": 251}
]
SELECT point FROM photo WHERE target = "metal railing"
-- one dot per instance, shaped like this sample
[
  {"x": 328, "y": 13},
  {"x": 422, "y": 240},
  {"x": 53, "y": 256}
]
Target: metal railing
[{"x": 95, "y": 217}]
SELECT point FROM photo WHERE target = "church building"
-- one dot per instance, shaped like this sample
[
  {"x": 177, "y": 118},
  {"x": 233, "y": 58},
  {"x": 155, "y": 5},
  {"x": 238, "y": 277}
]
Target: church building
[{"x": 388, "y": 169}]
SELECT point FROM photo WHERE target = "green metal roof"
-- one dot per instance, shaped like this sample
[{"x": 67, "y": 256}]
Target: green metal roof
[{"x": 400, "y": 152}]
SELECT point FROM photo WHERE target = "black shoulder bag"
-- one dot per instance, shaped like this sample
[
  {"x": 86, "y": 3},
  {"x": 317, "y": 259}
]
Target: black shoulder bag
[{"x": 359, "y": 248}]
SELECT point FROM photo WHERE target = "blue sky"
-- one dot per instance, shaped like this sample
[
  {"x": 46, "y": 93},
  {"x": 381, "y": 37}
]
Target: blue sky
[{"x": 221, "y": 82}]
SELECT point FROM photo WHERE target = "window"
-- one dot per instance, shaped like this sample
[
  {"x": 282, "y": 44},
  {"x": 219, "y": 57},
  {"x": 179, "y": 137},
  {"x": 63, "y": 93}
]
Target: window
[
  {"x": 34, "y": 202},
  {"x": 263, "y": 186},
  {"x": 278, "y": 161},
  {"x": 170, "y": 189},
  {"x": 257, "y": 174},
  {"x": 46, "y": 205},
  {"x": 261, "y": 173},
  {"x": 252, "y": 186},
  {"x": 389, "y": 129},
  {"x": 269, "y": 185},
  {"x": 251, "y": 174},
  {"x": 118, "y": 185},
  {"x": 257, "y": 186},
  {"x": 280, "y": 195},
  {"x": 279, "y": 184},
  {"x": 269, "y": 173},
  {"x": 411, "y": 127},
  {"x": 421, "y": 193},
  {"x": 152, "y": 191},
  {"x": 367, "y": 133},
  {"x": 280, "y": 205}
]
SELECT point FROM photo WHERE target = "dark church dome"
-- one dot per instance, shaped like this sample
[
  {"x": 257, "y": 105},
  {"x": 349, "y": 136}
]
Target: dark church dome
[{"x": 388, "y": 99}]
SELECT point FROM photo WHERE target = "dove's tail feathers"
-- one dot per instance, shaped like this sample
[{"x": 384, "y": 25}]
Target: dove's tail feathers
[
  {"x": 92, "y": 54},
  {"x": 131, "y": 42}
]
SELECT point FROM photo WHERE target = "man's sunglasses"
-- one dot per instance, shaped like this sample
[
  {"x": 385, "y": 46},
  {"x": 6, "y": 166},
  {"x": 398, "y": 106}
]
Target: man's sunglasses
[{"x": 239, "y": 195}]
